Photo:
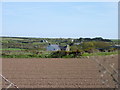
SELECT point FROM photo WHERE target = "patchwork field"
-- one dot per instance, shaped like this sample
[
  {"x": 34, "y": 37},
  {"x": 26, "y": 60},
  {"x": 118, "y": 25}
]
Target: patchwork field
[{"x": 60, "y": 72}]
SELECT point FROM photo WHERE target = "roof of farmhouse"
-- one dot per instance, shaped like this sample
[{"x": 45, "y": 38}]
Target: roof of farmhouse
[{"x": 56, "y": 47}]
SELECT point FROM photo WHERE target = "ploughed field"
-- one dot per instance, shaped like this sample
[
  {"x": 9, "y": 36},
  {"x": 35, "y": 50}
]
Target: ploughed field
[{"x": 59, "y": 72}]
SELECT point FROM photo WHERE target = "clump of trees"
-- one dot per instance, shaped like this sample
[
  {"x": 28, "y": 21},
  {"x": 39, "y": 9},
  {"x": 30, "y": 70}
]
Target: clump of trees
[
  {"x": 93, "y": 46},
  {"x": 92, "y": 39}
]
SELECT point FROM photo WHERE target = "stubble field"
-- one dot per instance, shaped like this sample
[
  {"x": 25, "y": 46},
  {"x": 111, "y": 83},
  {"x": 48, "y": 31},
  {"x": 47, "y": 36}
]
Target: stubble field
[{"x": 59, "y": 72}]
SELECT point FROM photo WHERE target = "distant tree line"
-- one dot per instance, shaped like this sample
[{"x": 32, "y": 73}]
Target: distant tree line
[{"x": 92, "y": 39}]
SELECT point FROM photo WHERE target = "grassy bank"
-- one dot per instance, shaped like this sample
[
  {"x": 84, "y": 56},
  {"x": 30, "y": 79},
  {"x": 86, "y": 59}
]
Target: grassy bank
[
  {"x": 100, "y": 53},
  {"x": 49, "y": 55}
]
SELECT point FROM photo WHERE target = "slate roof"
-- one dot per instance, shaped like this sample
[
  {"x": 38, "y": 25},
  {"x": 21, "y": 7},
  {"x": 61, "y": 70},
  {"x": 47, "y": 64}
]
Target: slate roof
[{"x": 53, "y": 47}]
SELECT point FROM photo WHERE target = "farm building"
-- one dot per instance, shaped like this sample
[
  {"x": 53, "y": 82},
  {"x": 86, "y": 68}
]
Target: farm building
[
  {"x": 54, "y": 47},
  {"x": 45, "y": 41}
]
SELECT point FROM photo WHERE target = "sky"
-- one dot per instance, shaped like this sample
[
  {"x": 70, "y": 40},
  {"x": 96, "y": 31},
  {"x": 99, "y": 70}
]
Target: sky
[{"x": 60, "y": 19}]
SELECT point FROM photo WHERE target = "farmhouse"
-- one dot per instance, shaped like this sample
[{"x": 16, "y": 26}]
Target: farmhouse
[
  {"x": 65, "y": 48},
  {"x": 54, "y": 47}
]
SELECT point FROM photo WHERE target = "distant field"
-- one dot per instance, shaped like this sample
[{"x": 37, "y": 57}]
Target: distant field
[
  {"x": 11, "y": 49},
  {"x": 12, "y": 39}
]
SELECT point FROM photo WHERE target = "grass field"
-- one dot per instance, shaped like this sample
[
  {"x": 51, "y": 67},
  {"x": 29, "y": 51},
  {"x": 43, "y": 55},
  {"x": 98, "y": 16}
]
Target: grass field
[{"x": 11, "y": 49}]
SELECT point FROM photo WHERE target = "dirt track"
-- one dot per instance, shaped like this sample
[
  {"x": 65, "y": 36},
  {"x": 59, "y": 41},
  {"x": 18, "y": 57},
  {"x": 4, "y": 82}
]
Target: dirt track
[{"x": 58, "y": 73}]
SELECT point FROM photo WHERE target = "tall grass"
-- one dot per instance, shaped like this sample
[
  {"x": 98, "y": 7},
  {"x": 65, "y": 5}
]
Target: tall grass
[{"x": 100, "y": 53}]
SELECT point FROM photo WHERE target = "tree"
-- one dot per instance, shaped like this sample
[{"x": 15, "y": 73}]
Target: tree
[{"x": 88, "y": 47}]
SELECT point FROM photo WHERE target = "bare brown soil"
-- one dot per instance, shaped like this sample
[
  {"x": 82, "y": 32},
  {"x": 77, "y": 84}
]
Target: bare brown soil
[{"x": 58, "y": 72}]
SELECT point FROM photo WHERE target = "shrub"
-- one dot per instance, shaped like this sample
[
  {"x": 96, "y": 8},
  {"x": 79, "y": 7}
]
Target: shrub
[{"x": 66, "y": 54}]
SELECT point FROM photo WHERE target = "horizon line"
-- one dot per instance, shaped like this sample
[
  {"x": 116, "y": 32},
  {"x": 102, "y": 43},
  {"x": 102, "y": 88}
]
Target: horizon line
[{"x": 55, "y": 37}]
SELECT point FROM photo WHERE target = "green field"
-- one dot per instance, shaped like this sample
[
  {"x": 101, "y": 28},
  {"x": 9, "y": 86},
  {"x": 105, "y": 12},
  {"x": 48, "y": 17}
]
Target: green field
[{"x": 11, "y": 49}]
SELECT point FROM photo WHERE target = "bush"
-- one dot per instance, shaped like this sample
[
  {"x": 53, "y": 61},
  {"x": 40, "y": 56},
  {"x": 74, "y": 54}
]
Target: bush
[{"x": 66, "y": 54}]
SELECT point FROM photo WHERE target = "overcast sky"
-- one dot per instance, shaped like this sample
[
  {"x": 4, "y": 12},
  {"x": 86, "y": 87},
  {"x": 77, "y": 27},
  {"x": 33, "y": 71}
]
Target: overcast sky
[{"x": 60, "y": 19}]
